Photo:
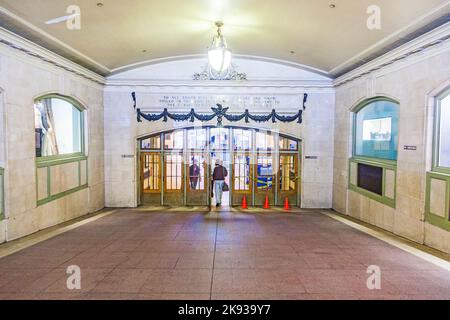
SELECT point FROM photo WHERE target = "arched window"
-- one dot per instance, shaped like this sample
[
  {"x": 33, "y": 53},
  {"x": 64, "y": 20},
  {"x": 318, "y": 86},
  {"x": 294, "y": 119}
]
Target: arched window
[
  {"x": 376, "y": 130},
  {"x": 58, "y": 127},
  {"x": 437, "y": 200},
  {"x": 373, "y": 168},
  {"x": 442, "y": 133}
]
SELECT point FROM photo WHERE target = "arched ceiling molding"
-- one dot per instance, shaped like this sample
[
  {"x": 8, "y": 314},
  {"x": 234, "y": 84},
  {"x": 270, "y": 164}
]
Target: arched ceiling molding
[
  {"x": 204, "y": 56},
  {"x": 178, "y": 71}
]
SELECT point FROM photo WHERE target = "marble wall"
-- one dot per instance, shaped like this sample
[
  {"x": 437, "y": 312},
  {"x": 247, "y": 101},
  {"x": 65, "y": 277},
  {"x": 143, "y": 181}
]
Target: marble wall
[
  {"x": 122, "y": 130},
  {"x": 23, "y": 79},
  {"x": 409, "y": 81}
]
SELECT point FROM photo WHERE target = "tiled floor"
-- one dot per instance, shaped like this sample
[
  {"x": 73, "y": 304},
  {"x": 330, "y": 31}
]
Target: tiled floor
[{"x": 134, "y": 254}]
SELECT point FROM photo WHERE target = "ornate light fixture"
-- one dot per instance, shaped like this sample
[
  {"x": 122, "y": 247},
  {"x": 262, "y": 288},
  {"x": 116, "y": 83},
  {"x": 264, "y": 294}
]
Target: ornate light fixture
[
  {"x": 218, "y": 54},
  {"x": 220, "y": 65}
]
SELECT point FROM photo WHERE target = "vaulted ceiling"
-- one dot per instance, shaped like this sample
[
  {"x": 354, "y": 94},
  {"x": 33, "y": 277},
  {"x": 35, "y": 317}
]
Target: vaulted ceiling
[{"x": 119, "y": 33}]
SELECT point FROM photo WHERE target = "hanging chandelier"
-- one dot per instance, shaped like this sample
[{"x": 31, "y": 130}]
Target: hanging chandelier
[
  {"x": 219, "y": 55},
  {"x": 220, "y": 65}
]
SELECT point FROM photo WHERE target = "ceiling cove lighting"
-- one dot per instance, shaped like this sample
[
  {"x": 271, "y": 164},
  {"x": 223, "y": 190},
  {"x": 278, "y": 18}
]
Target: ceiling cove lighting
[{"x": 219, "y": 55}]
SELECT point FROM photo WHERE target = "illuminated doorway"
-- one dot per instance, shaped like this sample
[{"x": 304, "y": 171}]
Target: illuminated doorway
[{"x": 176, "y": 167}]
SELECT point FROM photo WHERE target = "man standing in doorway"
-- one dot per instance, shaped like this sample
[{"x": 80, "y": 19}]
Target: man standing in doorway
[{"x": 219, "y": 175}]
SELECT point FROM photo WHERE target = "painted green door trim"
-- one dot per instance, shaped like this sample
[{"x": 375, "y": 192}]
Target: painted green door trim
[
  {"x": 437, "y": 133},
  {"x": 49, "y": 165},
  {"x": 438, "y": 221},
  {"x": 355, "y": 111},
  {"x": 57, "y": 160},
  {"x": 366, "y": 102},
  {"x": 82, "y": 110},
  {"x": 385, "y": 165}
]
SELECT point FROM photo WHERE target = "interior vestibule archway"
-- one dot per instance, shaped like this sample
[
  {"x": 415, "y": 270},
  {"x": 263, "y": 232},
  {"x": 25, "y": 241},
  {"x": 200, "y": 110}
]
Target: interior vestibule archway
[{"x": 175, "y": 166}]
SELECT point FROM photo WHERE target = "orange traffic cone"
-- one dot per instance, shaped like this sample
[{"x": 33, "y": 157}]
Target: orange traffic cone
[
  {"x": 266, "y": 202},
  {"x": 286, "y": 204},
  {"x": 244, "y": 202}
]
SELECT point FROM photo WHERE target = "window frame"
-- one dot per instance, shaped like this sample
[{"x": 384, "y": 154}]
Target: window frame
[
  {"x": 165, "y": 177},
  {"x": 70, "y": 156},
  {"x": 210, "y": 135},
  {"x": 267, "y": 133},
  {"x": 385, "y": 164},
  {"x": 186, "y": 136},
  {"x": 282, "y": 136},
  {"x": 355, "y": 112},
  {"x": 437, "y": 132},
  {"x": 234, "y": 148},
  {"x": 173, "y": 132},
  {"x": 161, "y": 138}
]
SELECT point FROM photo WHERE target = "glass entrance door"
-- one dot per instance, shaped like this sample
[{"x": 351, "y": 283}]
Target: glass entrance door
[
  {"x": 151, "y": 174},
  {"x": 173, "y": 179},
  {"x": 225, "y": 159},
  {"x": 242, "y": 178},
  {"x": 219, "y": 144},
  {"x": 176, "y": 167},
  {"x": 197, "y": 184},
  {"x": 288, "y": 179},
  {"x": 265, "y": 179}
]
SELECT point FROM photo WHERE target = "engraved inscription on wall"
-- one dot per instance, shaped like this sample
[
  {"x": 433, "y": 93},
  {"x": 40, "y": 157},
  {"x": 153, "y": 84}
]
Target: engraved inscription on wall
[{"x": 236, "y": 103}]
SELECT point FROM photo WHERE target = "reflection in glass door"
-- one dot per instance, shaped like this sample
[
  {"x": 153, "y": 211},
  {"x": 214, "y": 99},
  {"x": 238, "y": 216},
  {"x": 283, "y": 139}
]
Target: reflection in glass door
[
  {"x": 196, "y": 189},
  {"x": 288, "y": 179},
  {"x": 176, "y": 166},
  {"x": 242, "y": 179},
  {"x": 264, "y": 182},
  {"x": 151, "y": 178}
]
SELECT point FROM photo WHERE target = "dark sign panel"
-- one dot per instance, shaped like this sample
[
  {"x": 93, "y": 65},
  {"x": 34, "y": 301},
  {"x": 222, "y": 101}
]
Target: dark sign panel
[{"x": 370, "y": 178}]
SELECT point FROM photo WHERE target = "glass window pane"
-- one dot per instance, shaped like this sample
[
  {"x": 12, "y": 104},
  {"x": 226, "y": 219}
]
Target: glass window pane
[
  {"x": 265, "y": 172},
  {"x": 151, "y": 143},
  {"x": 242, "y": 139},
  {"x": 288, "y": 144},
  {"x": 58, "y": 127},
  {"x": 242, "y": 167},
  {"x": 265, "y": 141},
  {"x": 174, "y": 171},
  {"x": 173, "y": 140},
  {"x": 219, "y": 138},
  {"x": 197, "y": 172},
  {"x": 444, "y": 133},
  {"x": 151, "y": 172},
  {"x": 288, "y": 179},
  {"x": 377, "y": 130},
  {"x": 196, "y": 138}
]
